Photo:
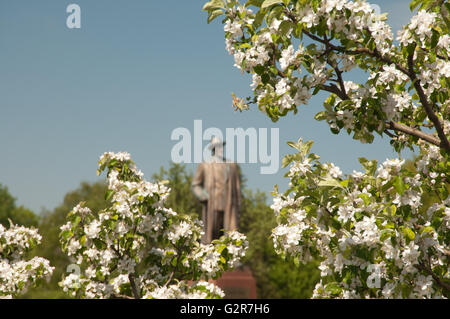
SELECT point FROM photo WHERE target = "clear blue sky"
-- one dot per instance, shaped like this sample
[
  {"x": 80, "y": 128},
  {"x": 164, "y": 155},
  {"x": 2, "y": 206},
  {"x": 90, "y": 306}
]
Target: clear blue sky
[{"x": 135, "y": 71}]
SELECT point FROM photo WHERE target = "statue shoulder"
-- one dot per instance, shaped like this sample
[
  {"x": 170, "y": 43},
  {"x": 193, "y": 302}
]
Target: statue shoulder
[
  {"x": 201, "y": 167},
  {"x": 233, "y": 165}
]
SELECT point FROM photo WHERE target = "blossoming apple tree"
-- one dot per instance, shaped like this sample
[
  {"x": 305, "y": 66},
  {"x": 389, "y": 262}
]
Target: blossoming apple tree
[
  {"x": 137, "y": 248},
  {"x": 372, "y": 231},
  {"x": 16, "y": 273}
]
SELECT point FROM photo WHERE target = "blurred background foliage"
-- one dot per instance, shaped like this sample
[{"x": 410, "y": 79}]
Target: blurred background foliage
[
  {"x": 275, "y": 277},
  {"x": 9, "y": 211}
]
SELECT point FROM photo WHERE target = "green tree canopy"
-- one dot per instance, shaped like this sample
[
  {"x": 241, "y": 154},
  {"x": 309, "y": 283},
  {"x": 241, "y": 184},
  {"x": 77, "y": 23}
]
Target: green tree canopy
[
  {"x": 17, "y": 214},
  {"x": 179, "y": 179}
]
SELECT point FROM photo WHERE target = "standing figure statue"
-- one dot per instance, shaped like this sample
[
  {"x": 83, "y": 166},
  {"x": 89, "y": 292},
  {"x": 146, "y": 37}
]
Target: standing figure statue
[{"x": 216, "y": 184}]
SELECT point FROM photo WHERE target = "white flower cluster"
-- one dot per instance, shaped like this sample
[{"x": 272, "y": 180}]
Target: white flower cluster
[
  {"x": 254, "y": 49},
  {"x": 376, "y": 227},
  {"x": 137, "y": 232},
  {"x": 420, "y": 27},
  {"x": 201, "y": 290},
  {"x": 17, "y": 274},
  {"x": 431, "y": 75},
  {"x": 267, "y": 47},
  {"x": 422, "y": 31}
]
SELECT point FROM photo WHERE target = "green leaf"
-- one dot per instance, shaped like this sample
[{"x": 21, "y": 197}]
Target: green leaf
[
  {"x": 427, "y": 229},
  {"x": 286, "y": 161},
  {"x": 293, "y": 145},
  {"x": 298, "y": 32},
  {"x": 214, "y": 14},
  {"x": 99, "y": 244},
  {"x": 269, "y": 3},
  {"x": 306, "y": 147},
  {"x": 414, "y": 4},
  {"x": 256, "y": 3},
  {"x": 434, "y": 38},
  {"x": 212, "y": 5},
  {"x": 333, "y": 288},
  {"x": 409, "y": 233},
  {"x": 344, "y": 183},
  {"x": 330, "y": 182},
  {"x": 246, "y": 45},
  {"x": 285, "y": 26},
  {"x": 66, "y": 234},
  {"x": 390, "y": 225},
  {"x": 365, "y": 197},
  {"x": 259, "y": 69},
  {"x": 76, "y": 221},
  {"x": 109, "y": 194},
  {"x": 221, "y": 248},
  {"x": 385, "y": 234},
  {"x": 316, "y": 90},
  {"x": 370, "y": 166},
  {"x": 399, "y": 185},
  {"x": 393, "y": 209},
  {"x": 320, "y": 116},
  {"x": 259, "y": 18}
]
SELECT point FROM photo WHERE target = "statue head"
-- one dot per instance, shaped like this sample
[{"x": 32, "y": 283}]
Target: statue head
[{"x": 216, "y": 147}]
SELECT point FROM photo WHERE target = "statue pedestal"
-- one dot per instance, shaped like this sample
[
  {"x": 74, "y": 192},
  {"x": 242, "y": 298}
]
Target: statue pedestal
[{"x": 238, "y": 284}]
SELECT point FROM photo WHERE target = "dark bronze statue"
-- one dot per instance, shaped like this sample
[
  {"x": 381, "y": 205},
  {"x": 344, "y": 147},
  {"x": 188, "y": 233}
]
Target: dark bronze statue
[{"x": 216, "y": 184}]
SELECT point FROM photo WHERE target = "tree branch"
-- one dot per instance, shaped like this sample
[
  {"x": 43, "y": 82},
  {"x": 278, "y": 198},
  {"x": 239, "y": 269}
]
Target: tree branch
[
  {"x": 134, "y": 289},
  {"x": 170, "y": 278},
  {"x": 437, "y": 55},
  {"x": 274, "y": 62},
  {"x": 444, "y": 143},
  {"x": 389, "y": 134},
  {"x": 334, "y": 89},
  {"x": 341, "y": 82},
  {"x": 414, "y": 132},
  {"x": 360, "y": 50},
  {"x": 436, "y": 278}
]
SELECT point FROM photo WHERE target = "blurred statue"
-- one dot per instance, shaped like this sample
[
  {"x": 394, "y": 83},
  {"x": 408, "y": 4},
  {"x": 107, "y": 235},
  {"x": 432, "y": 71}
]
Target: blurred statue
[{"x": 216, "y": 184}]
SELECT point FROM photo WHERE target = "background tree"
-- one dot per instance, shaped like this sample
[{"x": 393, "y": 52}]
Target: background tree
[
  {"x": 17, "y": 271},
  {"x": 179, "y": 179},
  {"x": 20, "y": 268},
  {"x": 19, "y": 215}
]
